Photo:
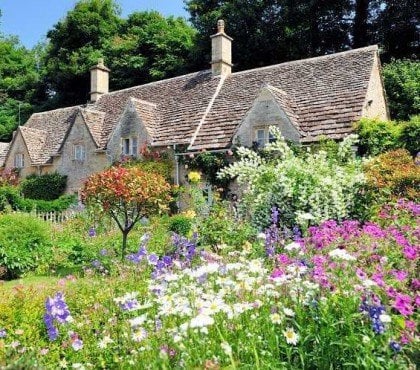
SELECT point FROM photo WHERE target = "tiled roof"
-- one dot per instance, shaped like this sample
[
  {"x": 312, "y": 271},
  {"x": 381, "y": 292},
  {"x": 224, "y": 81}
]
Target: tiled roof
[
  {"x": 321, "y": 96},
  {"x": 148, "y": 113},
  {"x": 95, "y": 122},
  {"x": 54, "y": 124},
  {"x": 4, "y": 147},
  {"x": 328, "y": 91},
  {"x": 180, "y": 102},
  {"x": 288, "y": 105},
  {"x": 35, "y": 141}
]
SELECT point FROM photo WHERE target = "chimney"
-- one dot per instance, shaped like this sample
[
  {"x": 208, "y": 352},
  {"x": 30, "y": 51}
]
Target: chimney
[
  {"x": 221, "y": 51},
  {"x": 99, "y": 80}
]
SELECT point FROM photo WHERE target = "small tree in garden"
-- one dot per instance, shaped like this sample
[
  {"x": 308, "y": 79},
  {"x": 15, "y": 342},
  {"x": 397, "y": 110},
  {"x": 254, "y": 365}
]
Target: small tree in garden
[{"x": 127, "y": 195}]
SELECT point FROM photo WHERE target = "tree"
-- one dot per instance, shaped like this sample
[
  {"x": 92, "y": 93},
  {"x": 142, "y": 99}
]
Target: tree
[
  {"x": 149, "y": 47},
  {"x": 397, "y": 28},
  {"x": 273, "y": 31},
  {"x": 75, "y": 44},
  {"x": 127, "y": 195},
  {"x": 18, "y": 79},
  {"x": 402, "y": 84}
]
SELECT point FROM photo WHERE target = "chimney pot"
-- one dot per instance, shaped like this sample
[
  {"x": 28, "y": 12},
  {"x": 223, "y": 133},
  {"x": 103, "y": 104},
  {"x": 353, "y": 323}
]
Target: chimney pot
[
  {"x": 99, "y": 80},
  {"x": 221, "y": 53}
]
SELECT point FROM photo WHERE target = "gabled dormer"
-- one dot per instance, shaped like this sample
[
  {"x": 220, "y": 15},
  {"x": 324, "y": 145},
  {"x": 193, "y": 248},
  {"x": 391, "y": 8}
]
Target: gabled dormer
[
  {"x": 272, "y": 107},
  {"x": 136, "y": 128}
]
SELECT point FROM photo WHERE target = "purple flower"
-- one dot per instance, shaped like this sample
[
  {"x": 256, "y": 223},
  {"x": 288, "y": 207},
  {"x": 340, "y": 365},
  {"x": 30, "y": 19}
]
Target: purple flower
[
  {"x": 77, "y": 344},
  {"x": 395, "y": 346},
  {"x": 403, "y": 305},
  {"x": 56, "y": 311},
  {"x": 400, "y": 274},
  {"x": 152, "y": 259},
  {"x": 410, "y": 252},
  {"x": 103, "y": 252},
  {"x": 92, "y": 232},
  {"x": 3, "y": 333}
]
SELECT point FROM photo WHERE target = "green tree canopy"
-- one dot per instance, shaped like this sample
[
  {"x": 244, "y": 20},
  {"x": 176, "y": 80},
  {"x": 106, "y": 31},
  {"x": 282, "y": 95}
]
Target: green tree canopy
[
  {"x": 18, "y": 79},
  {"x": 149, "y": 47}
]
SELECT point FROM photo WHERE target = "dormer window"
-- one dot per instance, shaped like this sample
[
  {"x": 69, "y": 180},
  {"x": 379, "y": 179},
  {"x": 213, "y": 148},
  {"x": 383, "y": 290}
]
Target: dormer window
[
  {"x": 79, "y": 152},
  {"x": 19, "y": 160},
  {"x": 130, "y": 146},
  {"x": 263, "y": 137}
]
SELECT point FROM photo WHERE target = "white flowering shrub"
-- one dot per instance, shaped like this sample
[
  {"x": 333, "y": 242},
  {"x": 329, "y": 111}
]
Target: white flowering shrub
[{"x": 307, "y": 189}]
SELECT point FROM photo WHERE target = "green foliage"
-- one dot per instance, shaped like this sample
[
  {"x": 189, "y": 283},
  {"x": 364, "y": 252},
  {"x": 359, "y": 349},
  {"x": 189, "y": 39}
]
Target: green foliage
[
  {"x": 11, "y": 198},
  {"x": 24, "y": 243},
  {"x": 180, "y": 224},
  {"x": 307, "y": 189},
  {"x": 402, "y": 85},
  {"x": 18, "y": 81},
  {"x": 410, "y": 135},
  {"x": 46, "y": 187},
  {"x": 380, "y": 136},
  {"x": 377, "y": 136},
  {"x": 149, "y": 47},
  {"x": 209, "y": 164}
]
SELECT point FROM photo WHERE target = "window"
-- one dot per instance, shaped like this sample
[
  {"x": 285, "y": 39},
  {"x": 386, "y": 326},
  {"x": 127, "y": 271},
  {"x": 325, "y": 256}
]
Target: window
[
  {"x": 263, "y": 137},
  {"x": 19, "y": 160},
  {"x": 79, "y": 152},
  {"x": 130, "y": 146}
]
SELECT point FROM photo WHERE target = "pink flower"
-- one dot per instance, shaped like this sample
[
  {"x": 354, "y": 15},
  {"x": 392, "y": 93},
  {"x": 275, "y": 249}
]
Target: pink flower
[
  {"x": 410, "y": 252},
  {"x": 361, "y": 274},
  {"x": 410, "y": 325},
  {"x": 283, "y": 258},
  {"x": 403, "y": 304},
  {"x": 399, "y": 274},
  {"x": 276, "y": 273}
]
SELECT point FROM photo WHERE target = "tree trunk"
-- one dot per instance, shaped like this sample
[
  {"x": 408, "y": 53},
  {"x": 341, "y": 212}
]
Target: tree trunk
[
  {"x": 360, "y": 26},
  {"x": 124, "y": 244}
]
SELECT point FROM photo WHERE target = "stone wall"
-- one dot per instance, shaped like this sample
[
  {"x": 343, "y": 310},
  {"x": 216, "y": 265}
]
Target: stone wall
[
  {"x": 19, "y": 147},
  {"x": 375, "y": 104},
  {"x": 130, "y": 125},
  {"x": 76, "y": 170}
]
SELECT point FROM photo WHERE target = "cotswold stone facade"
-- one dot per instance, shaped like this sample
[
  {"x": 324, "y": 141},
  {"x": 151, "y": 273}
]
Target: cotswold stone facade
[{"x": 207, "y": 110}]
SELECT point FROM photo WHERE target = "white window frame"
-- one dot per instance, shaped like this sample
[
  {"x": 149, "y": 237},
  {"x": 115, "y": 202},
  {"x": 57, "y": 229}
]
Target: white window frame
[
  {"x": 130, "y": 146},
  {"x": 19, "y": 160},
  {"x": 79, "y": 152},
  {"x": 262, "y": 136}
]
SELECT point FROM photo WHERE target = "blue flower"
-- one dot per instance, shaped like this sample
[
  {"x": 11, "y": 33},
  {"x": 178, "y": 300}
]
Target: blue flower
[
  {"x": 396, "y": 347},
  {"x": 3, "y": 333}
]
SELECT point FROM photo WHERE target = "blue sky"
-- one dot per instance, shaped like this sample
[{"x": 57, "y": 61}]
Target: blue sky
[{"x": 31, "y": 19}]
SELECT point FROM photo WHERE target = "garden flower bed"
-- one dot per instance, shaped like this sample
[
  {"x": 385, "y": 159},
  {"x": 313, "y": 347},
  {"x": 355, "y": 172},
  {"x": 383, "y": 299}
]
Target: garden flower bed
[{"x": 344, "y": 296}]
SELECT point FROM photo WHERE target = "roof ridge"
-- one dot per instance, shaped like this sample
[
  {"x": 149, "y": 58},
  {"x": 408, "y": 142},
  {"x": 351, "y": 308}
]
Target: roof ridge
[
  {"x": 320, "y": 57},
  {"x": 57, "y": 109},
  {"x": 154, "y": 83},
  {"x": 207, "y": 111},
  {"x": 154, "y": 105}
]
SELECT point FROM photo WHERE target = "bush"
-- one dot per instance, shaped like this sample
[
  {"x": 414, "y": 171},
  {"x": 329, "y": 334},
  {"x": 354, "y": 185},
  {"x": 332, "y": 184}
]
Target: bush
[
  {"x": 180, "y": 224},
  {"x": 393, "y": 175},
  {"x": 10, "y": 197},
  {"x": 402, "y": 84},
  {"x": 378, "y": 136},
  {"x": 24, "y": 243},
  {"x": 307, "y": 189},
  {"x": 410, "y": 135},
  {"x": 46, "y": 187}
]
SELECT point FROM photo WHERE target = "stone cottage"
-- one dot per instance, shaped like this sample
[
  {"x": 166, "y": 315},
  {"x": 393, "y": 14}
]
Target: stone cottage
[{"x": 207, "y": 110}]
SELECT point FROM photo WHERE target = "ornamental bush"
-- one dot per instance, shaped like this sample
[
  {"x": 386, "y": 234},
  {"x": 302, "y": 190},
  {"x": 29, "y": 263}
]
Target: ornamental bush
[
  {"x": 393, "y": 175},
  {"x": 307, "y": 189},
  {"x": 46, "y": 187},
  {"x": 24, "y": 243},
  {"x": 127, "y": 195}
]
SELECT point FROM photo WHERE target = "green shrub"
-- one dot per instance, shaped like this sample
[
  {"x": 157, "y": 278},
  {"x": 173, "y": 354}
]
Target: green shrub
[
  {"x": 410, "y": 135},
  {"x": 378, "y": 136},
  {"x": 180, "y": 224},
  {"x": 24, "y": 243},
  {"x": 46, "y": 187},
  {"x": 402, "y": 84}
]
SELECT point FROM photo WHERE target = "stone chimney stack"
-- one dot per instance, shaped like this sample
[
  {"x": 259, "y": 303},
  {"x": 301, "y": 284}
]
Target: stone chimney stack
[
  {"x": 221, "y": 51},
  {"x": 99, "y": 80}
]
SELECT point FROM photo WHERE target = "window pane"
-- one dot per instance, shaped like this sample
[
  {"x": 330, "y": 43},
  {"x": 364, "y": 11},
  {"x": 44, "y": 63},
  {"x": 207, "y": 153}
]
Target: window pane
[
  {"x": 126, "y": 146},
  {"x": 134, "y": 146}
]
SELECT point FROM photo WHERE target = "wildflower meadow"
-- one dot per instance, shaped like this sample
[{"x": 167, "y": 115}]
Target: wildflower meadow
[{"x": 321, "y": 291}]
